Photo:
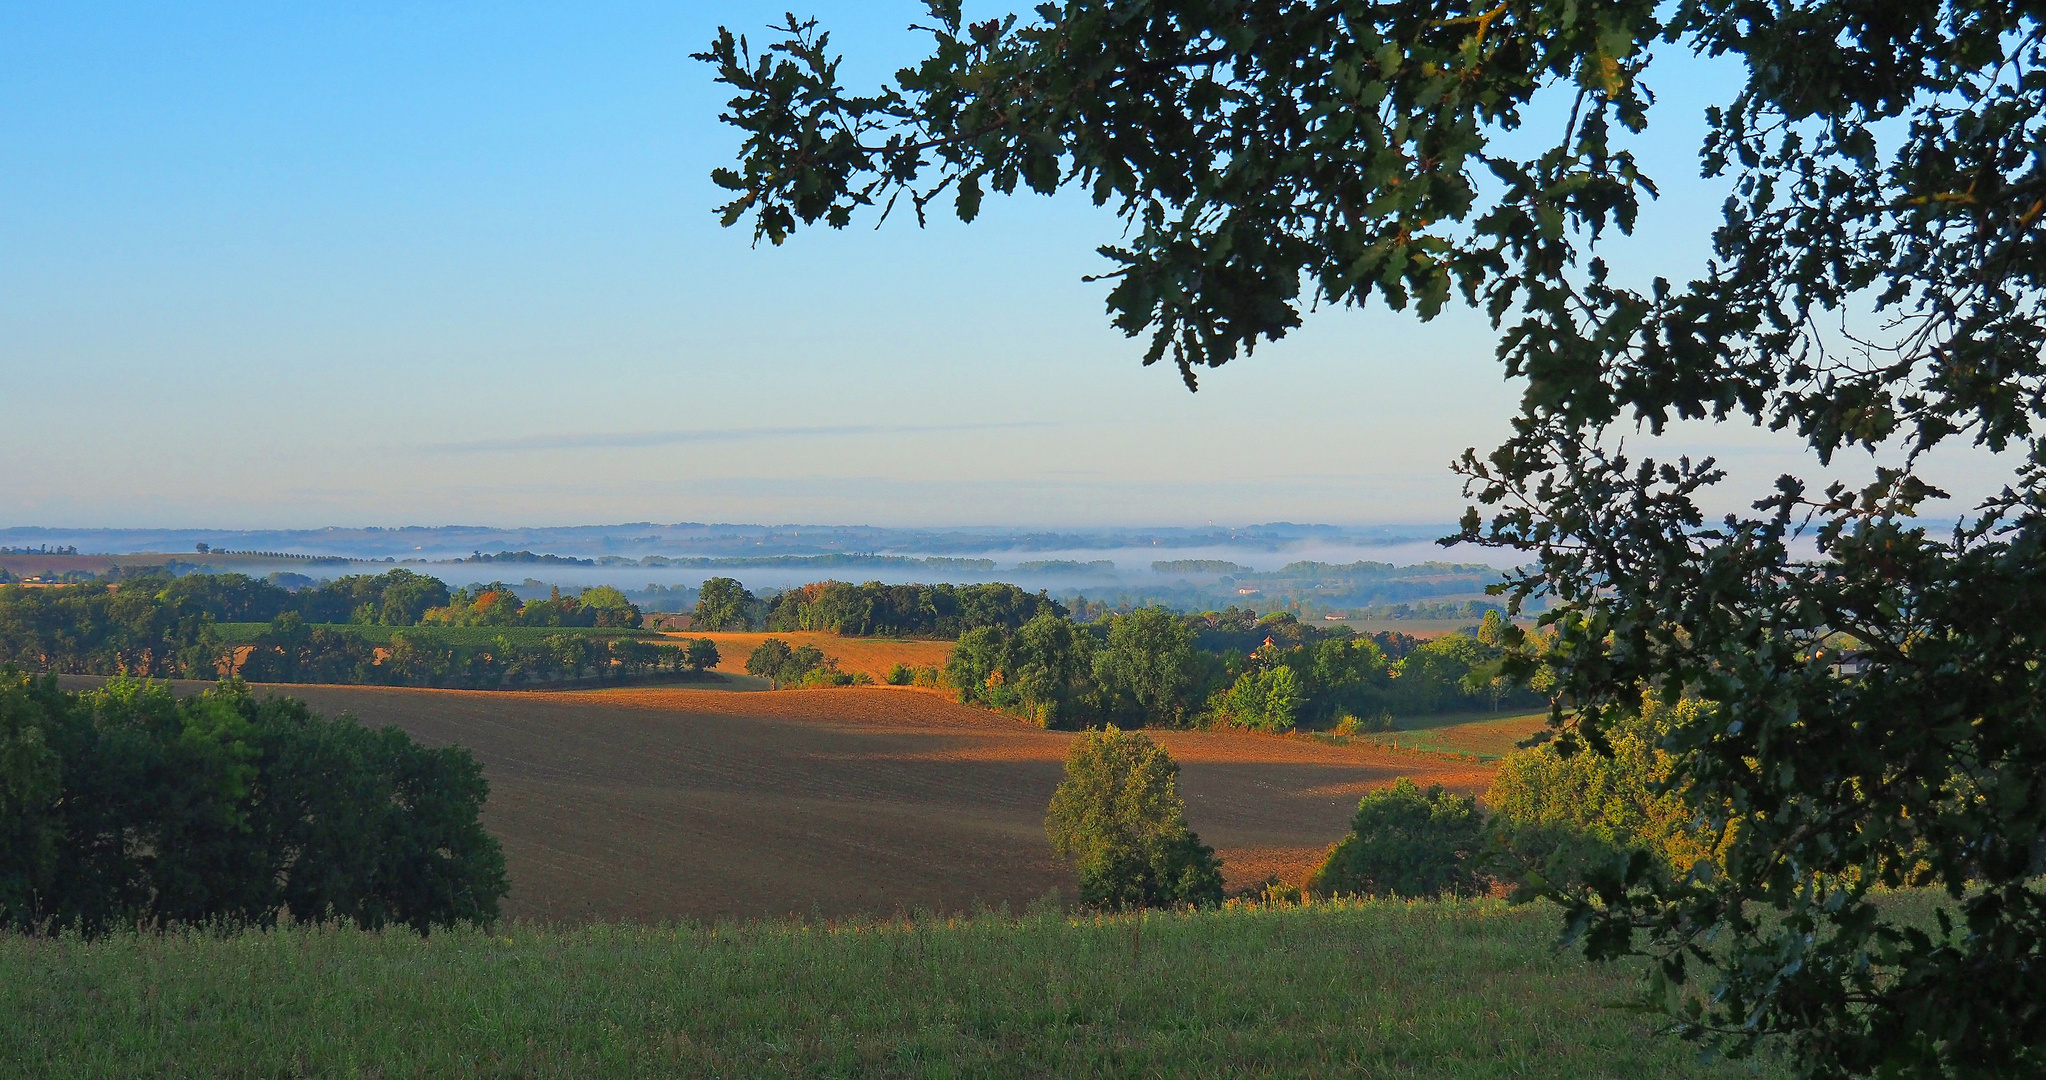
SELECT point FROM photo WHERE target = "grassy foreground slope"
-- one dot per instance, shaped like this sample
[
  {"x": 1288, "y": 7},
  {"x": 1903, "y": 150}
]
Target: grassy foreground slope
[{"x": 1467, "y": 989}]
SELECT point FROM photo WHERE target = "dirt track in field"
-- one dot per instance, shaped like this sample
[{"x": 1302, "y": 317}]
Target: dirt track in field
[{"x": 651, "y": 804}]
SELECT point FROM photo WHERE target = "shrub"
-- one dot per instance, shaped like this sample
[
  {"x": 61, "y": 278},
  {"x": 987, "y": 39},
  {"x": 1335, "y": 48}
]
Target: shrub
[
  {"x": 1380, "y": 721},
  {"x": 827, "y": 674},
  {"x": 702, "y": 654},
  {"x": 1119, "y": 816},
  {"x": 909, "y": 675},
  {"x": 784, "y": 667},
  {"x": 1406, "y": 842}
]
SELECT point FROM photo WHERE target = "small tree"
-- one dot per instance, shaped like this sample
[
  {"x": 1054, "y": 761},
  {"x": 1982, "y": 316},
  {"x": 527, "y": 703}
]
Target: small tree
[
  {"x": 976, "y": 664},
  {"x": 1266, "y": 700},
  {"x": 1492, "y": 631},
  {"x": 1118, "y": 815},
  {"x": 722, "y": 604},
  {"x": 606, "y": 606},
  {"x": 1406, "y": 842},
  {"x": 1049, "y": 665},
  {"x": 770, "y": 660},
  {"x": 702, "y": 654}
]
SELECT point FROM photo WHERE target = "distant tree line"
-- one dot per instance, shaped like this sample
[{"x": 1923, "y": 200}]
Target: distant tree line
[
  {"x": 207, "y": 549},
  {"x": 527, "y": 557},
  {"x": 1026, "y": 654},
  {"x": 664, "y": 598},
  {"x": 834, "y": 559},
  {"x": 290, "y": 650},
  {"x": 871, "y": 610},
  {"x": 1017, "y": 651},
  {"x": 163, "y": 627},
  {"x": 126, "y": 806},
  {"x": 1150, "y": 666},
  {"x": 1198, "y": 566},
  {"x": 1066, "y": 566},
  {"x": 496, "y": 604}
]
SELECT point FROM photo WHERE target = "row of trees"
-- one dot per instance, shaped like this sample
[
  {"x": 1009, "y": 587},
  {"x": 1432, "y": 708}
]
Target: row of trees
[
  {"x": 293, "y": 651},
  {"x": 163, "y": 627},
  {"x": 129, "y": 806},
  {"x": 803, "y": 667},
  {"x": 394, "y": 598},
  {"x": 496, "y": 604},
  {"x": 1147, "y": 667},
  {"x": 140, "y": 628},
  {"x": 1016, "y": 650},
  {"x": 872, "y": 609}
]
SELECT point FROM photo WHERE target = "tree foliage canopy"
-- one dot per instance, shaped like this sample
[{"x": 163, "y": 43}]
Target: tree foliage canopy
[
  {"x": 1407, "y": 841},
  {"x": 127, "y": 805},
  {"x": 1119, "y": 817},
  {"x": 723, "y": 604},
  {"x": 1875, "y": 285}
]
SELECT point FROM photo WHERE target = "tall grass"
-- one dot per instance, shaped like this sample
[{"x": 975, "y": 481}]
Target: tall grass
[{"x": 1467, "y": 989}]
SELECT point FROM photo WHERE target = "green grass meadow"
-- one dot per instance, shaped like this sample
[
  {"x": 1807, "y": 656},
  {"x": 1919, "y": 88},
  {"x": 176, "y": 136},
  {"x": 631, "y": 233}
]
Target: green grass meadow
[
  {"x": 1378, "y": 989},
  {"x": 457, "y": 636},
  {"x": 1487, "y": 736}
]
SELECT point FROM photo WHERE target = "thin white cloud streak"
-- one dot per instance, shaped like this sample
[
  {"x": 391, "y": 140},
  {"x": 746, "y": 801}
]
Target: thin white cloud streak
[{"x": 641, "y": 439}]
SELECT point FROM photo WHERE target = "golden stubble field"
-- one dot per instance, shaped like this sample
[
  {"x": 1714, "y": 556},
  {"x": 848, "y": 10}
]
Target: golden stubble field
[
  {"x": 871, "y": 655},
  {"x": 655, "y": 804}
]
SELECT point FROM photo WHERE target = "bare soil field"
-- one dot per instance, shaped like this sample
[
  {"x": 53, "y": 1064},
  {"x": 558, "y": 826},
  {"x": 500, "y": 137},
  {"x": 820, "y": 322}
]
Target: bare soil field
[
  {"x": 653, "y": 803},
  {"x": 871, "y": 655}
]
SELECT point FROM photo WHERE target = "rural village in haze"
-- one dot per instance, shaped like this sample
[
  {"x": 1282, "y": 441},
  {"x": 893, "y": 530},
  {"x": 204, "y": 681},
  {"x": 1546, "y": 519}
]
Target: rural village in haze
[{"x": 1243, "y": 538}]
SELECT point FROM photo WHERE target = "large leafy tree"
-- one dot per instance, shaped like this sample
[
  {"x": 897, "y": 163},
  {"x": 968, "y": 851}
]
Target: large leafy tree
[
  {"x": 128, "y": 805},
  {"x": 1148, "y": 665},
  {"x": 722, "y": 604},
  {"x": 1407, "y": 841},
  {"x": 1875, "y": 284}
]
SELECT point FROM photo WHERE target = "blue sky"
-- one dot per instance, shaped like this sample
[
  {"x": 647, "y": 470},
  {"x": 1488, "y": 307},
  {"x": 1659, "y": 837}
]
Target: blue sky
[{"x": 270, "y": 265}]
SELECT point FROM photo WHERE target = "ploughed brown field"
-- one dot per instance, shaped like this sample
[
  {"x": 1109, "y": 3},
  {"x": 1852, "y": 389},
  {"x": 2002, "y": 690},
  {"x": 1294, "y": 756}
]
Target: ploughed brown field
[
  {"x": 652, "y": 804},
  {"x": 871, "y": 655}
]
